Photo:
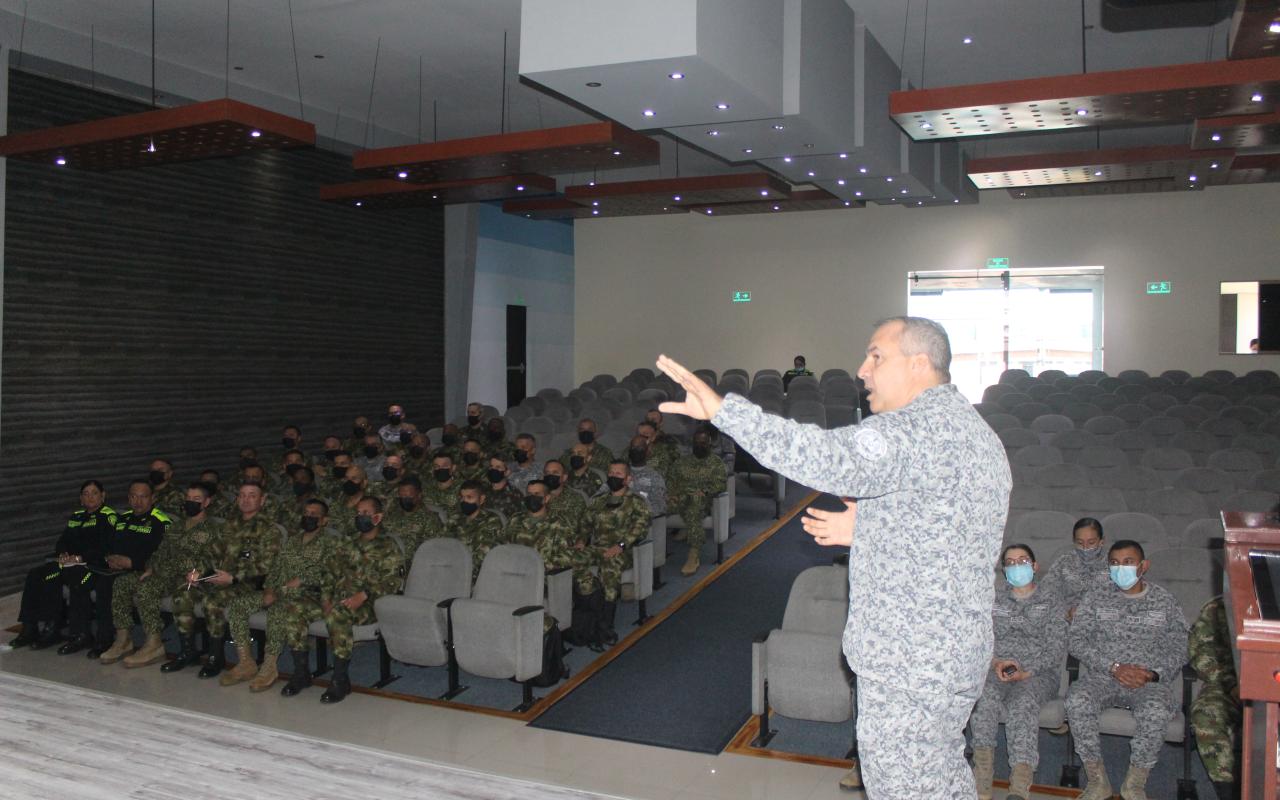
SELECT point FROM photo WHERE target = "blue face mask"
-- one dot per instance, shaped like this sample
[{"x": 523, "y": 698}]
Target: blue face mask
[
  {"x": 1124, "y": 576},
  {"x": 1019, "y": 575}
]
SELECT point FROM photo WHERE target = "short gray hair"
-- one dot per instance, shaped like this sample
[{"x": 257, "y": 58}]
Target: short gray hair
[{"x": 923, "y": 335}]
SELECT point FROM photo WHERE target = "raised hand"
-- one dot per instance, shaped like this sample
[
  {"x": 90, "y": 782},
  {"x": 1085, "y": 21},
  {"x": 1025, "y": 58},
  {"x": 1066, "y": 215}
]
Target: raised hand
[
  {"x": 832, "y": 528},
  {"x": 701, "y": 401}
]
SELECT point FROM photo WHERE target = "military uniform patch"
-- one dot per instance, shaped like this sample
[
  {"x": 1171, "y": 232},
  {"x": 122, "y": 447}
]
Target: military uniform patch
[{"x": 870, "y": 444}]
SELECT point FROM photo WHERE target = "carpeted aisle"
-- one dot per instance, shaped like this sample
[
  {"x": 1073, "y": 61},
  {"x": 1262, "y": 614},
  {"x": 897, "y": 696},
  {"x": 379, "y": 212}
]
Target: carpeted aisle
[{"x": 687, "y": 684}]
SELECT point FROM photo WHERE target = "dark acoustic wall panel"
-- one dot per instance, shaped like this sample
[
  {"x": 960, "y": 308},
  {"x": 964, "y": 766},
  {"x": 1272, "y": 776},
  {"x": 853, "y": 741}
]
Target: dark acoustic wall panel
[{"x": 183, "y": 311}]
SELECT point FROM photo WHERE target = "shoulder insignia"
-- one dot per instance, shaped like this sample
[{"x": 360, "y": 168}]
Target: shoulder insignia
[{"x": 870, "y": 444}]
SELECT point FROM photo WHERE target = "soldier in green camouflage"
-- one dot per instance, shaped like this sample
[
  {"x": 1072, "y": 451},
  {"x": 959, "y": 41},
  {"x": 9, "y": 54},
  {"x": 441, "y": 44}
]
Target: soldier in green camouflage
[
  {"x": 257, "y": 474},
  {"x": 417, "y": 456},
  {"x": 360, "y": 428},
  {"x": 661, "y": 456},
  {"x": 475, "y": 423},
  {"x": 220, "y": 507},
  {"x": 369, "y": 566},
  {"x": 534, "y": 527},
  {"x": 385, "y": 488},
  {"x": 695, "y": 479},
  {"x": 615, "y": 522},
  {"x": 329, "y": 488},
  {"x": 562, "y": 501},
  {"x": 582, "y": 476},
  {"x": 495, "y": 441},
  {"x": 168, "y": 496},
  {"x": 472, "y": 467},
  {"x": 278, "y": 483},
  {"x": 342, "y": 514},
  {"x": 501, "y": 496},
  {"x": 322, "y": 464},
  {"x": 598, "y": 456},
  {"x": 477, "y": 527},
  {"x": 241, "y": 561},
  {"x": 412, "y": 519},
  {"x": 450, "y": 443},
  {"x": 1216, "y": 714},
  {"x": 300, "y": 576},
  {"x": 442, "y": 490},
  {"x": 300, "y": 491}
]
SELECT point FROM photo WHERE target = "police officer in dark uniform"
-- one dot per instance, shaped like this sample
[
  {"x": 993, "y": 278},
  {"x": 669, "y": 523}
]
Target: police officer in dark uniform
[
  {"x": 80, "y": 544},
  {"x": 135, "y": 537}
]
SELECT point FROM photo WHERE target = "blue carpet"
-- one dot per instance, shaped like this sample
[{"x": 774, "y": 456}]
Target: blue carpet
[{"x": 687, "y": 684}]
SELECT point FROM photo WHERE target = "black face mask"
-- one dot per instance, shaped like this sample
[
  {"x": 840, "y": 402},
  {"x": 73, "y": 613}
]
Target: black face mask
[
  {"x": 364, "y": 523},
  {"x": 359, "y": 431},
  {"x": 389, "y": 473},
  {"x": 417, "y": 451},
  {"x": 638, "y": 456},
  {"x": 468, "y": 509},
  {"x": 350, "y": 488},
  {"x": 394, "y": 419},
  {"x": 292, "y": 468},
  {"x": 586, "y": 437},
  {"x": 495, "y": 435},
  {"x": 577, "y": 462},
  {"x": 615, "y": 483},
  {"x": 192, "y": 508},
  {"x": 534, "y": 503},
  {"x": 552, "y": 482},
  {"x": 405, "y": 437},
  {"x": 156, "y": 477},
  {"x": 443, "y": 475},
  {"x": 496, "y": 476},
  {"x": 300, "y": 489},
  {"x": 448, "y": 440},
  {"x": 339, "y": 472},
  {"x": 522, "y": 456},
  {"x": 701, "y": 450},
  {"x": 310, "y": 524},
  {"x": 370, "y": 451},
  {"x": 331, "y": 454},
  {"x": 473, "y": 420},
  {"x": 289, "y": 442},
  {"x": 407, "y": 503},
  {"x": 245, "y": 463},
  {"x": 470, "y": 458}
]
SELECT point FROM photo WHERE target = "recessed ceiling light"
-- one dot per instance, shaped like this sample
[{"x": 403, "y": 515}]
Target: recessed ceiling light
[
  {"x": 1257, "y": 97},
  {"x": 593, "y": 84},
  {"x": 840, "y": 182},
  {"x": 1273, "y": 27},
  {"x": 967, "y": 40},
  {"x": 255, "y": 134},
  {"x": 857, "y": 194},
  {"x": 764, "y": 192},
  {"x": 747, "y": 150},
  {"x": 595, "y": 202},
  {"x": 787, "y": 159},
  {"x": 777, "y": 127},
  {"x": 528, "y": 216},
  {"x": 921, "y": 202},
  {"x": 844, "y": 155},
  {"x": 675, "y": 76},
  {"x": 1082, "y": 112},
  {"x": 1217, "y": 137},
  {"x": 648, "y": 112},
  {"x": 926, "y": 124},
  {"x": 62, "y": 162},
  {"x": 722, "y": 106},
  {"x": 617, "y": 152},
  {"x": 775, "y": 208},
  {"x": 811, "y": 173},
  {"x": 591, "y": 183},
  {"x": 520, "y": 188},
  {"x": 676, "y": 198},
  {"x": 402, "y": 175},
  {"x": 713, "y": 132},
  {"x": 863, "y": 170},
  {"x": 955, "y": 201},
  {"x": 708, "y": 211},
  {"x": 359, "y": 203},
  {"x": 1192, "y": 179},
  {"x": 435, "y": 197},
  {"x": 889, "y": 179},
  {"x": 808, "y": 146},
  {"x": 1214, "y": 165},
  {"x": 904, "y": 191},
  {"x": 1097, "y": 173},
  {"x": 595, "y": 212}
]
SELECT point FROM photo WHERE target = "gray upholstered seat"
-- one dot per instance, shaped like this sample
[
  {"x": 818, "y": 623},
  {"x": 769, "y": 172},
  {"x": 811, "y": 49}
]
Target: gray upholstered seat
[
  {"x": 1252, "y": 500},
  {"x": 1071, "y": 443},
  {"x": 1240, "y": 464},
  {"x": 1105, "y": 425},
  {"x": 414, "y": 624},
  {"x": 1174, "y": 507},
  {"x": 810, "y": 411},
  {"x": 1144, "y": 529},
  {"x": 1095, "y": 457},
  {"x": 1161, "y": 429},
  {"x": 1134, "y": 482},
  {"x": 1189, "y": 414},
  {"x": 1198, "y": 443},
  {"x": 1214, "y": 485},
  {"x": 1049, "y": 424},
  {"x": 1091, "y": 376},
  {"x": 1001, "y": 421},
  {"x": 1167, "y": 462},
  {"x": 1094, "y": 501},
  {"x": 1015, "y": 439},
  {"x": 1036, "y": 456}
]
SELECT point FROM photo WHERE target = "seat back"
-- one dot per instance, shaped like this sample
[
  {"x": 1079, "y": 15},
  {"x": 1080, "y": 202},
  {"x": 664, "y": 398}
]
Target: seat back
[
  {"x": 1095, "y": 457},
  {"x": 1036, "y": 456},
  {"x": 1050, "y": 424},
  {"x": 1192, "y": 575},
  {"x": 818, "y": 602},
  {"x": 1105, "y": 425},
  {"x": 441, "y": 569},
  {"x": 511, "y": 575}
]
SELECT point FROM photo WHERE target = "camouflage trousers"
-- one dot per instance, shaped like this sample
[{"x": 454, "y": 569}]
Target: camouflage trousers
[
  {"x": 1153, "y": 706},
  {"x": 288, "y": 620},
  {"x": 230, "y": 607},
  {"x": 184, "y": 606},
  {"x": 593, "y": 569},
  {"x": 1021, "y": 702},
  {"x": 692, "y": 509},
  {"x": 131, "y": 592},
  {"x": 1216, "y": 718},
  {"x": 911, "y": 744},
  {"x": 341, "y": 622}
]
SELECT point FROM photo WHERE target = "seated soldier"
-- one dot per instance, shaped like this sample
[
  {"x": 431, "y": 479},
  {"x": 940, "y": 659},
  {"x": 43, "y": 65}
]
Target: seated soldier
[
  {"x": 582, "y": 476},
  {"x": 367, "y": 567},
  {"x": 332, "y": 446},
  {"x": 184, "y": 547},
  {"x": 695, "y": 480},
  {"x": 615, "y": 522},
  {"x": 248, "y": 458},
  {"x": 1030, "y": 622},
  {"x": 168, "y": 497},
  {"x": 81, "y": 545},
  {"x": 645, "y": 480},
  {"x": 472, "y": 467},
  {"x": 1216, "y": 713},
  {"x": 301, "y": 490},
  {"x": 450, "y": 442},
  {"x": 355, "y": 487},
  {"x": 534, "y": 527},
  {"x": 371, "y": 456},
  {"x": 501, "y": 495},
  {"x": 442, "y": 490},
  {"x": 290, "y": 462},
  {"x": 291, "y": 438},
  {"x": 495, "y": 442},
  {"x": 388, "y": 483},
  {"x": 360, "y": 428},
  {"x": 299, "y": 577},
  {"x": 1131, "y": 638},
  {"x": 136, "y": 536},
  {"x": 219, "y": 505},
  {"x": 798, "y": 368},
  {"x": 475, "y": 426},
  {"x": 417, "y": 456},
  {"x": 329, "y": 488},
  {"x": 663, "y": 453},
  {"x": 411, "y": 518},
  {"x": 397, "y": 433},
  {"x": 477, "y": 527},
  {"x": 525, "y": 459},
  {"x": 1082, "y": 567},
  {"x": 258, "y": 475},
  {"x": 563, "y": 502},
  {"x": 597, "y": 455}
]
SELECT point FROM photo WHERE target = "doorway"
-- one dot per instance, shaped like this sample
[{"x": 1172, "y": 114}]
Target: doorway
[{"x": 517, "y": 361}]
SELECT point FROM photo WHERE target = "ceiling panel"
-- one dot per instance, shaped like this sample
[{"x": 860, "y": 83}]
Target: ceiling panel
[
  {"x": 385, "y": 193},
  {"x": 1193, "y": 167}
]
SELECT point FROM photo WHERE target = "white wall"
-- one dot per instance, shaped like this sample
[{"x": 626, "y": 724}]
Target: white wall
[
  {"x": 647, "y": 285},
  {"x": 521, "y": 262}
]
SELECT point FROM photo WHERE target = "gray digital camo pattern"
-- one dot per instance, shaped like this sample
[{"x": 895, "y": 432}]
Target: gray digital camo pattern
[
  {"x": 1033, "y": 632},
  {"x": 932, "y": 483},
  {"x": 649, "y": 484},
  {"x": 1111, "y": 627},
  {"x": 521, "y": 474},
  {"x": 1076, "y": 572}
]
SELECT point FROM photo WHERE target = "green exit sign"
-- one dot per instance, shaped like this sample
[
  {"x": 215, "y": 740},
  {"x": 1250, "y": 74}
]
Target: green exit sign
[
  {"x": 1159, "y": 287},
  {"x": 742, "y": 297},
  {"x": 997, "y": 263}
]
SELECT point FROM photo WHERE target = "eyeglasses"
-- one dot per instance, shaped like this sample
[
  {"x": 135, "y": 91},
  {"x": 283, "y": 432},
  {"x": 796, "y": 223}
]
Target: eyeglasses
[{"x": 1017, "y": 561}]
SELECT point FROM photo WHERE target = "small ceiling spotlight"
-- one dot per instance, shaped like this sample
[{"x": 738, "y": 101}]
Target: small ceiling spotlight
[
  {"x": 520, "y": 188},
  {"x": 787, "y": 159},
  {"x": 811, "y": 173},
  {"x": 617, "y": 152},
  {"x": 1257, "y": 97},
  {"x": 675, "y": 76},
  {"x": 839, "y": 181},
  {"x": 708, "y": 211},
  {"x": 722, "y": 106},
  {"x": 359, "y": 203},
  {"x": 255, "y": 134},
  {"x": 1273, "y": 27},
  {"x": 967, "y": 40},
  {"x": 775, "y": 208},
  {"x": 777, "y": 127},
  {"x": 1097, "y": 173},
  {"x": 595, "y": 212},
  {"x": 60, "y": 161},
  {"x": 764, "y": 192},
  {"x": 402, "y": 174},
  {"x": 889, "y": 179},
  {"x": 648, "y": 112},
  {"x": 844, "y": 155},
  {"x": 1214, "y": 165},
  {"x": 676, "y": 198},
  {"x": 1192, "y": 179},
  {"x": 1082, "y": 112},
  {"x": 1217, "y": 137},
  {"x": 713, "y": 132},
  {"x": 863, "y": 170},
  {"x": 747, "y": 150},
  {"x": 857, "y": 194}
]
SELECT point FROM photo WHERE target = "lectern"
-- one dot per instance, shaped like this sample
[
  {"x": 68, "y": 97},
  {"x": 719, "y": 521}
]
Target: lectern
[{"x": 1253, "y": 597}]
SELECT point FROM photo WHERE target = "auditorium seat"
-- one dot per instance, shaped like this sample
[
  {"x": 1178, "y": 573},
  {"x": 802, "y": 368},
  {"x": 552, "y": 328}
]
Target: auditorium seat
[
  {"x": 1133, "y": 481},
  {"x": 1080, "y": 413},
  {"x": 1043, "y": 530},
  {"x": 1198, "y": 443},
  {"x": 1159, "y": 402},
  {"x": 1132, "y": 413},
  {"x": 840, "y": 416},
  {"x": 1213, "y": 403},
  {"x": 1213, "y": 485},
  {"x": 1133, "y": 376},
  {"x": 1174, "y": 507},
  {"x": 1249, "y": 415},
  {"x": 1220, "y": 375},
  {"x": 1035, "y": 456},
  {"x": 1267, "y": 480},
  {"x": 1048, "y": 424},
  {"x": 1012, "y": 400},
  {"x": 1094, "y": 501},
  {"x": 1106, "y": 425},
  {"x": 1203, "y": 533},
  {"x": 1240, "y": 464},
  {"x": 1224, "y": 428},
  {"x": 1100, "y": 457},
  {"x": 1252, "y": 500},
  {"x": 1070, "y": 443},
  {"x": 808, "y": 411},
  {"x": 1027, "y": 412},
  {"x": 1085, "y": 392},
  {"x": 1177, "y": 376},
  {"x": 1161, "y": 429},
  {"x": 1144, "y": 529},
  {"x": 1060, "y": 480},
  {"x": 1001, "y": 421}
]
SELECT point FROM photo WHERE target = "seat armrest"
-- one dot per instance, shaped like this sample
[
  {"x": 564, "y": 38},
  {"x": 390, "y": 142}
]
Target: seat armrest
[
  {"x": 446, "y": 604},
  {"x": 759, "y": 676},
  {"x": 551, "y": 572},
  {"x": 520, "y": 612}
]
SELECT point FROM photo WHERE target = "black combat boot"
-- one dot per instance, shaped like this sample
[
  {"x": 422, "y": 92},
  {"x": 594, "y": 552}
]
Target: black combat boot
[
  {"x": 301, "y": 677},
  {"x": 49, "y": 636},
  {"x": 187, "y": 655},
  {"x": 340, "y": 686},
  {"x": 608, "y": 635},
  {"x": 217, "y": 658},
  {"x": 29, "y": 635},
  {"x": 76, "y": 644}
]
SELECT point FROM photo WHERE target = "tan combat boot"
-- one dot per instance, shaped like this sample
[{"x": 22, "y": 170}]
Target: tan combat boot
[
  {"x": 1099, "y": 788},
  {"x": 852, "y": 781},
  {"x": 1020, "y": 782},
  {"x": 121, "y": 647},
  {"x": 244, "y": 669},
  {"x": 151, "y": 652},
  {"x": 1135, "y": 784},
  {"x": 984, "y": 765},
  {"x": 691, "y": 563},
  {"x": 266, "y": 676}
]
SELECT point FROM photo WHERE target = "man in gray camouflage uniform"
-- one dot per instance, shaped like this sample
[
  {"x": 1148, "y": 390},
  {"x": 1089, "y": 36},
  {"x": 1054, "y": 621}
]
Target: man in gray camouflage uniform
[
  {"x": 525, "y": 464},
  {"x": 1131, "y": 639},
  {"x": 929, "y": 482},
  {"x": 645, "y": 480}
]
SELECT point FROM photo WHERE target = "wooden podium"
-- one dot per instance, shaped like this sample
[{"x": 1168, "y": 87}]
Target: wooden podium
[{"x": 1253, "y": 599}]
